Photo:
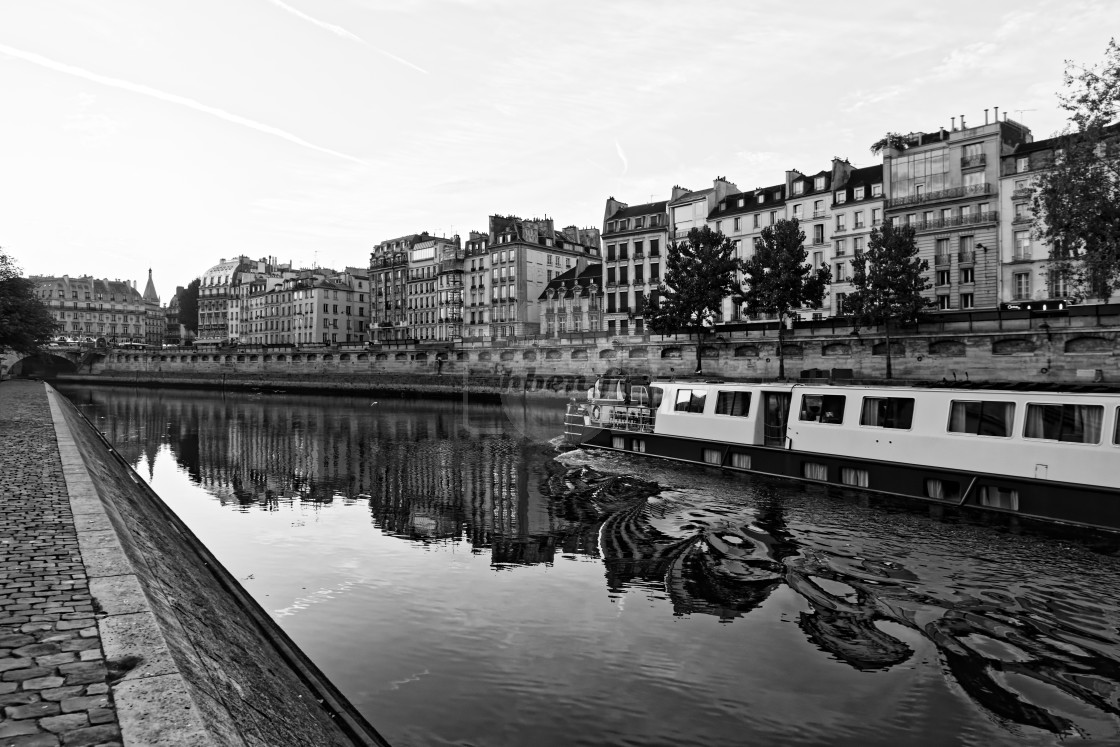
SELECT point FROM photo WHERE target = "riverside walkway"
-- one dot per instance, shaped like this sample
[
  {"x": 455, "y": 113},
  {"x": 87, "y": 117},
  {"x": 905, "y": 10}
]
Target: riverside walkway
[
  {"x": 117, "y": 626},
  {"x": 54, "y": 682}
]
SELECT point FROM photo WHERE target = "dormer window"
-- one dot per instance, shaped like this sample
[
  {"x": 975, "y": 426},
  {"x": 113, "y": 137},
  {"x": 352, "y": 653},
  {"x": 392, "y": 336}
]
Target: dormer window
[
  {"x": 876, "y": 190},
  {"x": 841, "y": 197},
  {"x": 639, "y": 222},
  {"x": 777, "y": 194},
  {"x": 798, "y": 188},
  {"x": 858, "y": 193},
  {"x": 742, "y": 201},
  {"x": 818, "y": 183},
  {"x": 761, "y": 199}
]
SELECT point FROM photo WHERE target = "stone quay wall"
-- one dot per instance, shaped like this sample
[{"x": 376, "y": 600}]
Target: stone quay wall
[
  {"x": 201, "y": 662},
  {"x": 1060, "y": 352}
]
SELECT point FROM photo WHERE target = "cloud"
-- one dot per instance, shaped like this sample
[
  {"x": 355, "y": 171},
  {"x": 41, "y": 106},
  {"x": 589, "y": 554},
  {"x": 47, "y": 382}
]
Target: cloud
[
  {"x": 91, "y": 126},
  {"x": 171, "y": 98},
  {"x": 622, "y": 155},
  {"x": 339, "y": 31}
]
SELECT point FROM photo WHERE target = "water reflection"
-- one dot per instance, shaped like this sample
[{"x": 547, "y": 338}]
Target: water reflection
[
  {"x": 431, "y": 471},
  {"x": 987, "y": 636}
]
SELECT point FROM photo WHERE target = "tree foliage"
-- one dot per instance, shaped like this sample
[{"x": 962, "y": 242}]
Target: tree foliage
[
  {"x": 889, "y": 278},
  {"x": 777, "y": 278},
  {"x": 188, "y": 306},
  {"x": 891, "y": 140},
  {"x": 699, "y": 275},
  {"x": 25, "y": 322},
  {"x": 1076, "y": 204}
]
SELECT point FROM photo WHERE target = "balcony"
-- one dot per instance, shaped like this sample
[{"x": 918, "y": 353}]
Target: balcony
[
  {"x": 946, "y": 194},
  {"x": 1022, "y": 193},
  {"x": 820, "y": 214},
  {"x": 966, "y": 257},
  {"x": 1021, "y": 255},
  {"x": 971, "y": 162},
  {"x": 1021, "y": 219},
  {"x": 941, "y": 260},
  {"x": 989, "y": 216}
]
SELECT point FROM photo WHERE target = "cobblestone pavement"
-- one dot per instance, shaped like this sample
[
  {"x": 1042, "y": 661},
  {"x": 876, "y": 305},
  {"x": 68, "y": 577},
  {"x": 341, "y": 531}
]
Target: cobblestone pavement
[{"x": 53, "y": 678}]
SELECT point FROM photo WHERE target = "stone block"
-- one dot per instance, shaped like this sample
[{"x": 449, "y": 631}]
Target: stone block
[
  {"x": 32, "y": 710},
  {"x": 91, "y": 735},
  {"x": 85, "y": 703},
  {"x": 43, "y": 683},
  {"x": 65, "y": 722}
]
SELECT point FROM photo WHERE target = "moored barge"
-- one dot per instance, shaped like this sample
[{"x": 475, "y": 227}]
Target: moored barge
[{"x": 1040, "y": 453}]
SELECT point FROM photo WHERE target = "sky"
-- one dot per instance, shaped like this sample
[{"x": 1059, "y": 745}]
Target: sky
[{"x": 142, "y": 134}]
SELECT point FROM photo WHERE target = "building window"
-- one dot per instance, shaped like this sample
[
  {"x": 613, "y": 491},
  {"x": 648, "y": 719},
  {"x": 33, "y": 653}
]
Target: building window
[
  {"x": 876, "y": 216},
  {"x": 840, "y": 248},
  {"x": 818, "y": 234},
  {"x": 798, "y": 188},
  {"x": 967, "y": 275},
  {"x": 841, "y": 222},
  {"x": 943, "y": 303},
  {"x": 761, "y": 199},
  {"x": 757, "y": 217},
  {"x": 1022, "y": 245},
  {"x": 738, "y": 224},
  {"x": 1022, "y": 164},
  {"x": 942, "y": 277},
  {"x": 858, "y": 219},
  {"x": 1021, "y": 285},
  {"x": 818, "y": 183},
  {"x": 857, "y": 193},
  {"x": 797, "y": 211},
  {"x": 841, "y": 197},
  {"x": 968, "y": 301},
  {"x": 876, "y": 190},
  {"x": 1059, "y": 287}
]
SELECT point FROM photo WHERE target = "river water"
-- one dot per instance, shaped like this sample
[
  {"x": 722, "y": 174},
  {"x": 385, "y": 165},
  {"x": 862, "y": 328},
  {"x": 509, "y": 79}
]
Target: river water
[{"x": 463, "y": 587}]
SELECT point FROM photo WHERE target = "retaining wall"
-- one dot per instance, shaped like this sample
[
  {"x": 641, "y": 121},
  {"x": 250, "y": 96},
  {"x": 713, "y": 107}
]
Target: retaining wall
[
  {"x": 201, "y": 663},
  {"x": 1062, "y": 354}
]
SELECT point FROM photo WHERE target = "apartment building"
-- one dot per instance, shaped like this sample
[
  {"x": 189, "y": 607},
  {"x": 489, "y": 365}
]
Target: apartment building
[
  {"x": 945, "y": 184},
  {"x": 417, "y": 283},
  {"x": 636, "y": 238},
  {"x": 90, "y": 309},
  {"x": 857, "y": 207},
  {"x": 310, "y": 306},
  {"x": 572, "y": 302},
  {"x": 507, "y": 269}
]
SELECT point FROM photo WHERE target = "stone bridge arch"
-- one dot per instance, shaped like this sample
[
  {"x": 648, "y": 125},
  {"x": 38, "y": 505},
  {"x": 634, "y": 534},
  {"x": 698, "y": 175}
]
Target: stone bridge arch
[{"x": 41, "y": 365}]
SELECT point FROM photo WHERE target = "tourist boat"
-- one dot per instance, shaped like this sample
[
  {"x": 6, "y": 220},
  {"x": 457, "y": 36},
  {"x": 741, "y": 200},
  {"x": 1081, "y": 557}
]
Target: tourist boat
[{"x": 1032, "y": 451}]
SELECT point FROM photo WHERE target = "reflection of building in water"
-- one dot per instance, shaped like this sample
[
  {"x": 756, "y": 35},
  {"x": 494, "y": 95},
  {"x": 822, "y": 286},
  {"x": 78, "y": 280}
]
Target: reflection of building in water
[{"x": 427, "y": 477}]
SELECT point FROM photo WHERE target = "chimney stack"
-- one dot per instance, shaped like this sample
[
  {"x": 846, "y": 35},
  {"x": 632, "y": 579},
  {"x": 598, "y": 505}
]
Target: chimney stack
[
  {"x": 953, "y": 124},
  {"x": 997, "y": 114},
  {"x": 985, "y": 116},
  {"x": 962, "y": 122}
]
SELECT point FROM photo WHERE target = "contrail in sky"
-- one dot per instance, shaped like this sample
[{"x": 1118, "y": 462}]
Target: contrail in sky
[
  {"x": 622, "y": 155},
  {"x": 339, "y": 31},
  {"x": 154, "y": 93}
]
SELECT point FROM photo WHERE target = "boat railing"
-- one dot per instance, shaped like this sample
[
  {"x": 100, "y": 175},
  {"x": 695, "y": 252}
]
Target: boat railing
[{"x": 631, "y": 418}]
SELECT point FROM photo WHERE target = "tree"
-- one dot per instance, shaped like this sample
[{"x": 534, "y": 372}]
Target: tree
[
  {"x": 889, "y": 278},
  {"x": 890, "y": 140},
  {"x": 25, "y": 322},
  {"x": 778, "y": 279},
  {"x": 699, "y": 275},
  {"x": 1076, "y": 205},
  {"x": 188, "y": 306}
]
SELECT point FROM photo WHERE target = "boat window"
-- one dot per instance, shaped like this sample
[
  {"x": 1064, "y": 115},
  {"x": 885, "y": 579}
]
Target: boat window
[
  {"x": 814, "y": 471},
  {"x": 656, "y": 394},
  {"x": 999, "y": 497},
  {"x": 856, "y": 477},
  {"x": 736, "y": 404},
  {"x": 1074, "y": 423},
  {"x": 943, "y": 489},
  {"x": 713, "y": 456},
  {"x": 982, "y": 418},
  {"x": 690, "y": 400},
  {"x": 887, "y": 412},
  {"x": 823, "y": 408},
  {"x": 742, "y": 461}
]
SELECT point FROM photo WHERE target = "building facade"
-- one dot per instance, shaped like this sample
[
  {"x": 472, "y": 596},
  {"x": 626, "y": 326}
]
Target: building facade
[
  {"x": 635, "y": 238},
  {"x": 946, "y": 185},
  {"x": 320, "y": 306},
  {"x": 507, "y": 269},
  {"x": 1024, "y": 257},
  {"x": 93, "y": 310},
  {"x": 572, "y": 302}
]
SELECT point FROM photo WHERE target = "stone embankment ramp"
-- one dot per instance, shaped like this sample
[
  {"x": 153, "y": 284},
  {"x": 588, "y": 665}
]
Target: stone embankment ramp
[{"x": 117, "y": 626}]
